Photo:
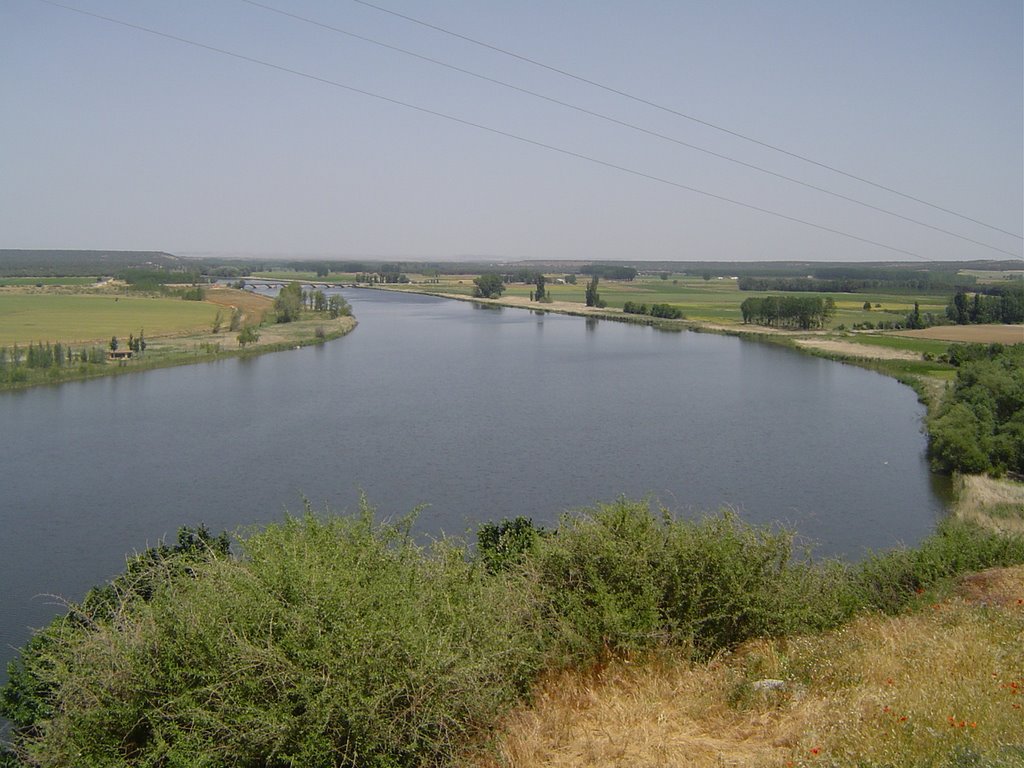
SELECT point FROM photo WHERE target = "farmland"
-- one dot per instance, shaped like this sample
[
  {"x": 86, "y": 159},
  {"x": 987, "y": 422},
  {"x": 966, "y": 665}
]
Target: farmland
[
  {"x": 979, "y": 334},
  {"x": 716, "y": 301},
  {"x": 79, "y": 324},
  {"x": 94, "y": 317}
]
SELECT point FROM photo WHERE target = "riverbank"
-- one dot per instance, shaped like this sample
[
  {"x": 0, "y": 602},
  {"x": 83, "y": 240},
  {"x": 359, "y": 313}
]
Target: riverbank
[
  {"x": 626, "y": 636},
  {"x": 879, "y": 691},
  {"x": 191, "y": 348},
  {"x": 180, "y": 332},
  {"x": 911, "y": 362},
  {"x": 997, "y": 504}
]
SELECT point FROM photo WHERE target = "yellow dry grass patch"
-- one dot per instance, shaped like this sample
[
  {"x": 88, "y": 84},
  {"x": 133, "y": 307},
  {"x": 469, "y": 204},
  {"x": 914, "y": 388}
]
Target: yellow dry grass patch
[
  {"x": 943, "y": 683},
  {"x": 254, "y": 306},
  {"x": 664, "y": 714},
  {"x": 993, "y": 503}
]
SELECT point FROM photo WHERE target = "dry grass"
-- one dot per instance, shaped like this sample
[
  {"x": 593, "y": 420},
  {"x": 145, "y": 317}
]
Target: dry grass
[
  {"x": 254, "y": 306},
  {"x": 983, "y": 334},
  {"x": 666, "y": 713},
  {"x": 995, "y": 504},
  {"x": 940, "y": 686}
]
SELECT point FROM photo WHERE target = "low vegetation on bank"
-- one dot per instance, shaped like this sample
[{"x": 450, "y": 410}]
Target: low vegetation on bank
[
  {"x": 58, "y": 334},
  {"x": 342, "y": 641},
  {"x": 938, "y": 686}
]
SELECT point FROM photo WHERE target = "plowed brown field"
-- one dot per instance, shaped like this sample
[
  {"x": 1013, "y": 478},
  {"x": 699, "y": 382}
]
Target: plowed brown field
[{"x": 984, "y": 334}]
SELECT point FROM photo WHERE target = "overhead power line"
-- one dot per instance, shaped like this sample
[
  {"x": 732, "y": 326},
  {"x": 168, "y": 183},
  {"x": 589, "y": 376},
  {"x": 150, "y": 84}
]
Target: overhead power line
[
  {"x": 480, "y": 126},
  {"x": 623, "y": 123},
  {"x": 677, "y": 113}
]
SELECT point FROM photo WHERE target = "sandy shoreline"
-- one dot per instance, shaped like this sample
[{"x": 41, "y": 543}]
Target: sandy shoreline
[{"x": 852, "y": 349}]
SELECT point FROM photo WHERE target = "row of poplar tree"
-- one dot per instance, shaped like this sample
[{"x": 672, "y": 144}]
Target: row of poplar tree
[{"x": 55, "y": 355}]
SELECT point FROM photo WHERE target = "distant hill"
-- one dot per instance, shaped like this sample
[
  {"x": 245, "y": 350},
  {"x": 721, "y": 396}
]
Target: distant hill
[{"x": 57, "y": 263}]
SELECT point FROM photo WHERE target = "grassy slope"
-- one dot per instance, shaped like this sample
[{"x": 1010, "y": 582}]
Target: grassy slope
[
  {"x": 941, "y": 685},
  {"x": 994, "y": 503}
]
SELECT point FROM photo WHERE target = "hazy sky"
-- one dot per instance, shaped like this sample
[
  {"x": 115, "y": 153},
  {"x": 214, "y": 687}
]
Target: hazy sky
[{"x": 114, "y": 138}]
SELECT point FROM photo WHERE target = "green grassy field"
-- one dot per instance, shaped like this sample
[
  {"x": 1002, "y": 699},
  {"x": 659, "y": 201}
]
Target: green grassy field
[
  {"x": 177, "y": 332},
  {"x": 34, "y": 317},
  {"x": 989, "y": 276}
]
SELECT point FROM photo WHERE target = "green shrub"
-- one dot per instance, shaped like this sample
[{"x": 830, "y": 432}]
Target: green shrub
[
  {"x": 598, "y": 577},
  {"x": 618, "y": 579},
  {"x": 889, "y": 581},
  {"x": 501, "y": 546},
  {"x": 329, "y": 643},
  {"x": 728, "y": 581}
]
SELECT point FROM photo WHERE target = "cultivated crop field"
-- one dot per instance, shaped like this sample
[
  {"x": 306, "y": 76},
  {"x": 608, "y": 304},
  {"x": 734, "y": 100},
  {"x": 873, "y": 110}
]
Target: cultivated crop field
[
  {"x": 40, "y": 317},
  {"x": 980, "y": 334}
]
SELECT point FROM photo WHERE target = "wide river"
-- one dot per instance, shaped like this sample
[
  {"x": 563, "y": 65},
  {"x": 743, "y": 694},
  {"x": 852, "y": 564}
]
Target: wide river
[{"x": 477, "y": 414}]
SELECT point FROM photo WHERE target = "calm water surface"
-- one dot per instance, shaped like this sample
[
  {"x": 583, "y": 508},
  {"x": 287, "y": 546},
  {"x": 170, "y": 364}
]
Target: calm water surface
[{"x": 477, "y": 413}]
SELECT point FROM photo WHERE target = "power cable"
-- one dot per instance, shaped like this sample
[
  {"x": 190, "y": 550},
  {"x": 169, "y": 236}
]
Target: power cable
[
  {"x": 479, "y": 126},
  {"x": 669, "y": 110},
  {"x": 624, "y": 124}
]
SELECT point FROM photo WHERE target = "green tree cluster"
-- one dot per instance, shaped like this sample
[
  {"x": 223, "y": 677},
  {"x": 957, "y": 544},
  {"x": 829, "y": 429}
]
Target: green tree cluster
[
  {"x": 591, "y": 296},
  {"x": 489, "y": 285},
  {"x": 995, "y": 304},
  {"x": 803, "y": 312},
  {"x": 666, "y": 311},
  {"x": 338, "y": 307},
  {"x": 540, "y": 293},
  {"x": 979, "y": 426},
  {"x": 288, "y": 303},
  {"x": 48, "y": 356},
  {"x": 250, "y": 334},
  {"x": 17, "y": 363},
  {"x": 195, "y": 293}
]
